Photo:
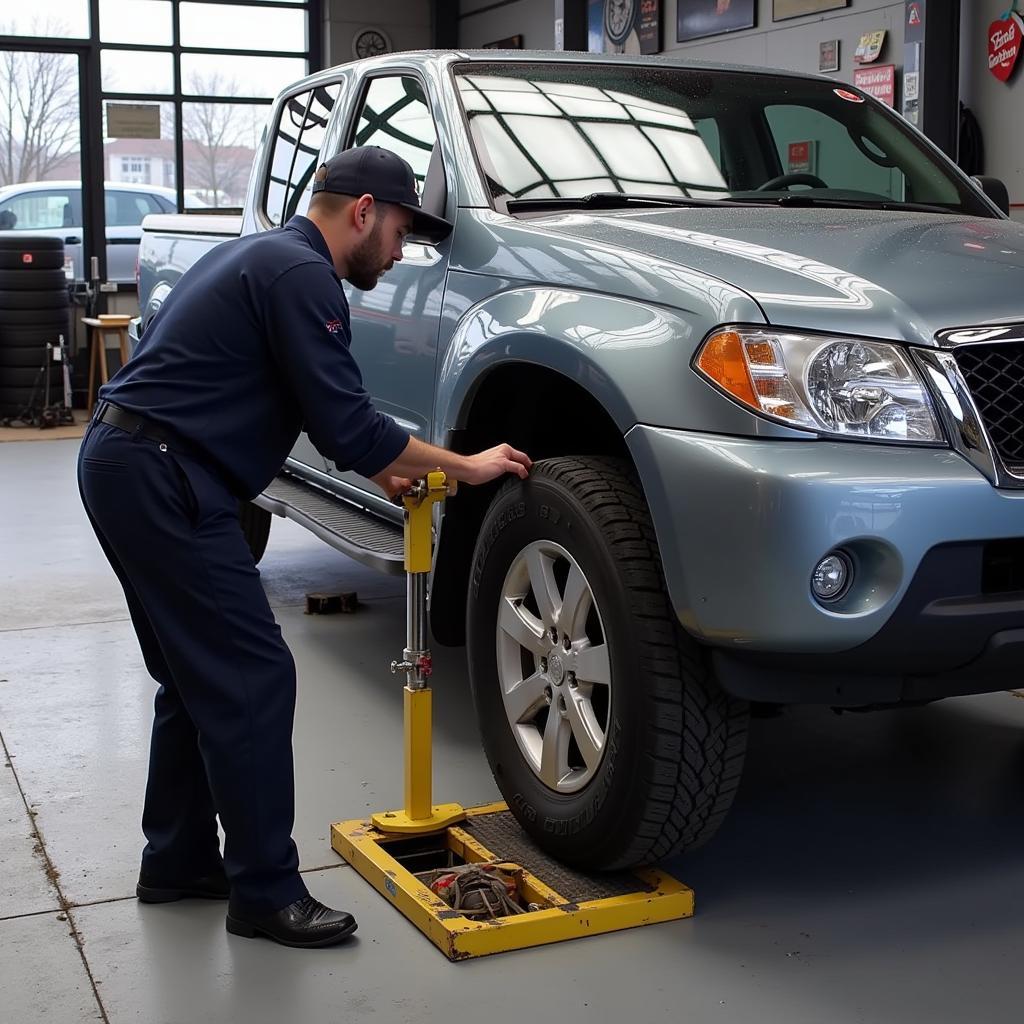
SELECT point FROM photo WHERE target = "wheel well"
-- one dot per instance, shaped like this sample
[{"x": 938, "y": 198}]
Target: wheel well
[{"x": 537, "y": 410}]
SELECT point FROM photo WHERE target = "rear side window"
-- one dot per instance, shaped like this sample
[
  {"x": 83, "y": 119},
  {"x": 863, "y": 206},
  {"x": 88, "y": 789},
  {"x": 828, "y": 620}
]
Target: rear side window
[
  {"x": 40, "y": 211},
  {"x": 126, "y": 209},
  {"x": 296, "y": 141},
  {"x": 395, "y": 116}
]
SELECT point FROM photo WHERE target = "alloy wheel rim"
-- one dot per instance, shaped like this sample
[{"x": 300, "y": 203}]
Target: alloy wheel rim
[{"x": 553, "y": 666}]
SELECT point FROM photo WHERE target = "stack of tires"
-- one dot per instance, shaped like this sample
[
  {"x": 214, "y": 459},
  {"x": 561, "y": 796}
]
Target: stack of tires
[{"x": 33, "y": 311}]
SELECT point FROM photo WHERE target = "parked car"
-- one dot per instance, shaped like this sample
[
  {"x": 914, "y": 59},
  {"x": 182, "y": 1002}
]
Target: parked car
[
  {"x": 54, "y": 209},
  {"x": 765, "y": 343}
]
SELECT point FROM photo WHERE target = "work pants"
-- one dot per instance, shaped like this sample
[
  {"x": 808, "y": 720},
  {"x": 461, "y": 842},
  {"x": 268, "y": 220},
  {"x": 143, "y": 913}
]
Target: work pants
[{"x": 222, "y": 735}]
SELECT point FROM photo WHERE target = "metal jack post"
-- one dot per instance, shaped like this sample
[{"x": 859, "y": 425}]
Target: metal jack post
[{"x": 419, "y": 813}]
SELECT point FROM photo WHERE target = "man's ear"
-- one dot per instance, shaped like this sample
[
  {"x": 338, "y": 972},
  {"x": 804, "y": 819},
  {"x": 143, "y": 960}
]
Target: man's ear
[{"x": 362, "y": 212}]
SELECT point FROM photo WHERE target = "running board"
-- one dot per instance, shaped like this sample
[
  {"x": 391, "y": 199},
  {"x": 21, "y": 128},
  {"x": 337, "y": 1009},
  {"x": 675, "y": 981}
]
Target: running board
[{"x": 349, "y": 529}]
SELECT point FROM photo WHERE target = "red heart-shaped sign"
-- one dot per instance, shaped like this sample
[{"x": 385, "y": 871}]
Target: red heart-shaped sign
[{"x": 1004, "y": 43}]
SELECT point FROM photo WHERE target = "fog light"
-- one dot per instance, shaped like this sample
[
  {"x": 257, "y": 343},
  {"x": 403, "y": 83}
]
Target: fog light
[{"x": 831, "y": 576}]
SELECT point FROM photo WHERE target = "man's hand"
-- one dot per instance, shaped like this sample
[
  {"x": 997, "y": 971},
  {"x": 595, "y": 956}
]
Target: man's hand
[
  {"x": 495, "y": 462},
  {"x": 420, "y": 458},
  {"x": 392, "y": 486}
]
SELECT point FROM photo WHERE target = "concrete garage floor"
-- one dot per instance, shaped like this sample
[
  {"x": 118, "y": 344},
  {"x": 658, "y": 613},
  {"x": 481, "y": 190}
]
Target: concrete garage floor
[{"x": 872, "y": 870}]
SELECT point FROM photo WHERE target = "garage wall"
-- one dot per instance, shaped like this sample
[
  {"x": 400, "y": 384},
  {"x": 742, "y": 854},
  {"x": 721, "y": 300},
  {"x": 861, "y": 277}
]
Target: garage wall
[
  {"x": 481, "y": 22},
  {"x": 997, "y": 105},
  {"x": 405, "y": 22}
]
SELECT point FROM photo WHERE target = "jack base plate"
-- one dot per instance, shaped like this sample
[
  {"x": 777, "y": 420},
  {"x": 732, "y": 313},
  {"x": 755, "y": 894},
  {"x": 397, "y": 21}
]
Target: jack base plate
[
  {"x": 442, "y": 815},
  {"x": 595, "y": 904}
]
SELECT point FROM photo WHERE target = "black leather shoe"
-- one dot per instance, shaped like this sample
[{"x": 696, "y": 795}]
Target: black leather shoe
[
  {"x": 305, "y": 924},
  {"x": 213, "y": 886}
]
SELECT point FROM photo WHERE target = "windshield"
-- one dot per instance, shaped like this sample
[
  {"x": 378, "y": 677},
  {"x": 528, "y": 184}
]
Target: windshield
[{"x": 548, "y": 131}]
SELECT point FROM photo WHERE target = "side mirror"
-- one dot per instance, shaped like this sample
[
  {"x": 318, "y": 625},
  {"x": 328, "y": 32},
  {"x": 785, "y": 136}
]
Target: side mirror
[{"x": 995, "y": 190}]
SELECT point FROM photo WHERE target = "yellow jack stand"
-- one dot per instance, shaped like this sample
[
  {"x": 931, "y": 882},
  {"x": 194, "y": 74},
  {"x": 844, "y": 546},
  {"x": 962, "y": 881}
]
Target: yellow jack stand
[{"x": 387, "y": 848}]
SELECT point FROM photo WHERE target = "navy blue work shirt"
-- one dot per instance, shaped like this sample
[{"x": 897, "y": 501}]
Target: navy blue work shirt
[{"x": 250, "y": 347}]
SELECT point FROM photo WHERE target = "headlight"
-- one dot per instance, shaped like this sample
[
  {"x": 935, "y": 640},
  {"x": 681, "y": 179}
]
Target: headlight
[{"x": 841, "y": 386}]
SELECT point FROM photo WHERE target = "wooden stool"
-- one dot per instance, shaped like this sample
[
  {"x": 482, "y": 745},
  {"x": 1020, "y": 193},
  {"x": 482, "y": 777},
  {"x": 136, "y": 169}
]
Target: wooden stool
[{"x": 99, "y": 328}]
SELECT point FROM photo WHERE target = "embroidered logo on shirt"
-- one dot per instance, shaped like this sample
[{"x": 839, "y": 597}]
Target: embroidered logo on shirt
[{"x": 333, "y": 326}]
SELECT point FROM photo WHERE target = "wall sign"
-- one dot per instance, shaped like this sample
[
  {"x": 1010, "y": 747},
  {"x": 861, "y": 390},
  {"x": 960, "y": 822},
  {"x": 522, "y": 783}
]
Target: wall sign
[
  {"x": 879, "y": 82},
  {"x": 783, "y": 9},
  {"x": 696, "y": 19},
  {"x": 828, "y": 55},
  {"x": 624, "y": 26},
  {"x": 1004, "y": 44},
  {"x": 133, "y": 120},
  {"x": 802, "y": 157},
  {"x": 870, "y": 47}
]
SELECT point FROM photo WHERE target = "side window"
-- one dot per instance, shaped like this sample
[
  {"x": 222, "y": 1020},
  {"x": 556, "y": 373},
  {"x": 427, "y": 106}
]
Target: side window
[
  {"x": 297, "y": 139},
  {"x": 707, "y": 129},
  {"x": 395, "y": 116},
  {"x": 40, "y": 211},
  {"x": 126, "y": 209}
]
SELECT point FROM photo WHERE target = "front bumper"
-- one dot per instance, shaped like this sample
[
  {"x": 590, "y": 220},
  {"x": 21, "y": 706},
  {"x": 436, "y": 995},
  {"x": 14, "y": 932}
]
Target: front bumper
[{"x": 741, "y": 523}]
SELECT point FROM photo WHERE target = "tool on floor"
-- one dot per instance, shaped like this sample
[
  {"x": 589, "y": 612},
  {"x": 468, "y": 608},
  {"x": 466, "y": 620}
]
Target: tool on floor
[{"x": 469, "y": 878}]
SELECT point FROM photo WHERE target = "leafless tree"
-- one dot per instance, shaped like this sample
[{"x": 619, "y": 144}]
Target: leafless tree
[
  {"x": 39, "y": 115},
  {"x": 222, "y": 137}
]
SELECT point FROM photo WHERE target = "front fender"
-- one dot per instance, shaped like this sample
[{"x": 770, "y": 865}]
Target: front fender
[{"x": 632, "y": 356}]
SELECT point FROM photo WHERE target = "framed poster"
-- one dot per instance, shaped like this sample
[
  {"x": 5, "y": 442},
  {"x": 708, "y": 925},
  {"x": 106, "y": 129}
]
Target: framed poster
[
  {"x": 783, "y": 9},
  {"x": 624, "y": 26},
  {"x": 828, "y": 55},
  {"x": 696, "y": 19}
]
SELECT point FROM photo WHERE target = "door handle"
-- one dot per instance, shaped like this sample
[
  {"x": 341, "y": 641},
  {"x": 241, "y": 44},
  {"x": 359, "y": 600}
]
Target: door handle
[{"x": 71, "y": 240}]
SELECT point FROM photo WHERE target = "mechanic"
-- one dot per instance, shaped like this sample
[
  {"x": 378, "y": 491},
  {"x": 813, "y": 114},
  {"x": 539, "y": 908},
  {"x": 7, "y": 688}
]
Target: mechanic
[{"x": 250, "y": 347}]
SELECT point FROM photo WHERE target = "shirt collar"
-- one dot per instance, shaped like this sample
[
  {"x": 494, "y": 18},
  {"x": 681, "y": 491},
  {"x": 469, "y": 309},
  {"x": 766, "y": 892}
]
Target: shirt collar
[{"x": 312, "y": 234}]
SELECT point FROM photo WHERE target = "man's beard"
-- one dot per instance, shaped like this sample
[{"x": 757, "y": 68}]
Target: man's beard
[{"x": 366, "y": 263}]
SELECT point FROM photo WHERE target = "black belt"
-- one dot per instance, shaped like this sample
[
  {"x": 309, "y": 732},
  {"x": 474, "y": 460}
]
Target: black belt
[{"x": 141, "y": 427}]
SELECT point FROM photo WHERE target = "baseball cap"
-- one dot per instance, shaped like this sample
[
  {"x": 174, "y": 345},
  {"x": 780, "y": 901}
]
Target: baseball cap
[{"x": 383, "y": 175}]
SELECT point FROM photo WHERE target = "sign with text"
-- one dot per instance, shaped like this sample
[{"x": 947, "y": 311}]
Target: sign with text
[
  {"x": 133, "y": 120},
  {"x": 879, "y": 82},
  {"x": 869, "y": 47},
  {"x": 1004, "y": 43},
  {"x": 801, "y": 158}
]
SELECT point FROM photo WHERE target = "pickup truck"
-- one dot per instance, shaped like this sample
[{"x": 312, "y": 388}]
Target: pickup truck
[{"x": 765, "y": 344}]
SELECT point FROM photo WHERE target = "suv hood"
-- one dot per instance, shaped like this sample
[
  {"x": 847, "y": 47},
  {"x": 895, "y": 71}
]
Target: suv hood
[{"x": 872, "y": 273}]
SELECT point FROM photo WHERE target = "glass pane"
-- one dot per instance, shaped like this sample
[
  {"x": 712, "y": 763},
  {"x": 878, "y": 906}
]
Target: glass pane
[
  {"x": 40, "y": 119},
  {"x": 136, "y": 21},
  {"x": 220, "y": 145},
  {"x": 395, "y": 116},
  {"x": 41, "y": 210},
  {"x": 210, "y": 74},
  {"x": 297, "y": 142},
  {"x": 60, "y": 19},
  {"x": 137, "y": 71},
  {"x": 144, "y": 161},
  {"x": 238, "y": 27}
]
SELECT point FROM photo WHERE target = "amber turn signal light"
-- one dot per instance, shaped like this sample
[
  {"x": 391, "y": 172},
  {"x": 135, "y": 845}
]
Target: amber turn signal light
[{"x": 723, "y": 361}]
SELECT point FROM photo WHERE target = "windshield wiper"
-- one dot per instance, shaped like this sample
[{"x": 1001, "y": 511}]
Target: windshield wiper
[
  {"x": 615, "y": 201},
  {"x": 803, "y": 199}
]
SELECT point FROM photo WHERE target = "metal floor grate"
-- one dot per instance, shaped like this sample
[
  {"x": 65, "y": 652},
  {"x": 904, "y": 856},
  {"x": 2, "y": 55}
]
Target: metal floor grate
[{"x": 505, "y": 838}]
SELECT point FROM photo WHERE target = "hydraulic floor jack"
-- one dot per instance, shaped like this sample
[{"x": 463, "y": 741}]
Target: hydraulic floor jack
[{"x": 414, "y": 856}]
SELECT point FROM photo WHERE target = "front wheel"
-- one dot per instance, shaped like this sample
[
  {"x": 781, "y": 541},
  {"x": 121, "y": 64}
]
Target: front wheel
[{"x": 605, "y": 730}]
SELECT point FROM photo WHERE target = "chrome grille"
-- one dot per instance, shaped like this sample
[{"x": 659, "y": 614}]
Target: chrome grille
[{"x": 995, "y": 376}]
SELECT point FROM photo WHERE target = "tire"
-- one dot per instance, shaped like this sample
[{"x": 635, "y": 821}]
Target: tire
[
  {"x": 256, "y": 527},
  {"x": 16, "y": 357},
  {"x": 30, "y": 243},
  {"x": 34, "y": 318},
  {"x": 672, "y": 741},
  {"x": 24, "y": 376},
  {"x": 23, "y": 336},
  {"x": 49, "y": 298},
  {"x": 13, "y": 400},
  {"x": 31, "y": 279},
  {"x": 41, "y": 260}
]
